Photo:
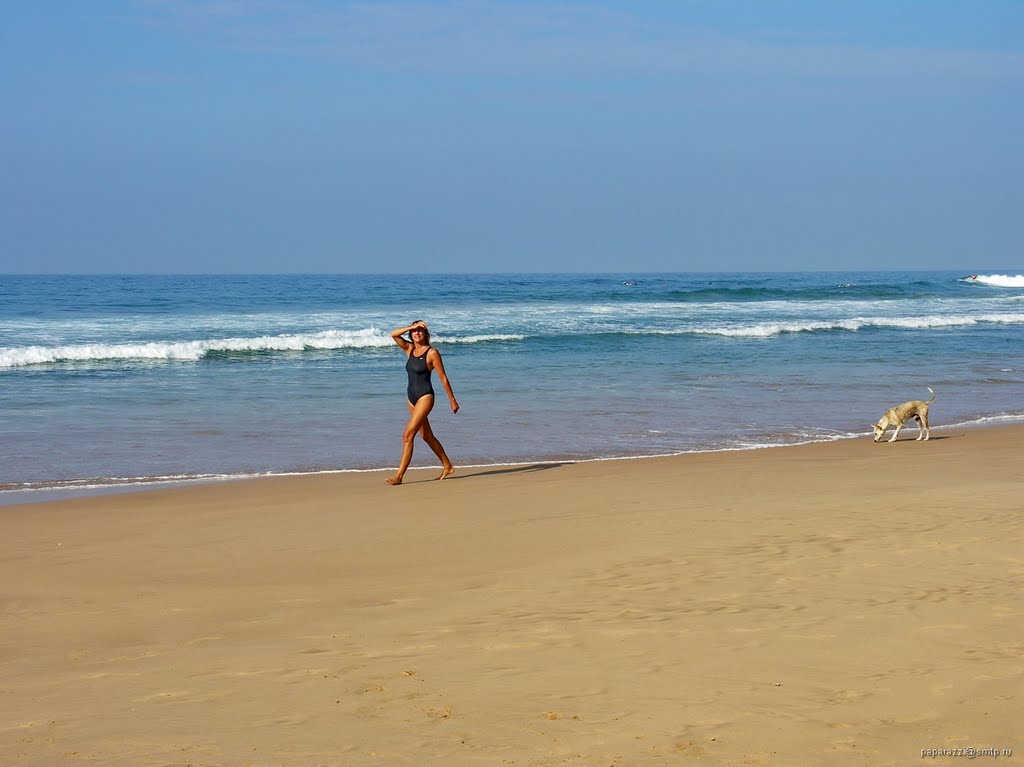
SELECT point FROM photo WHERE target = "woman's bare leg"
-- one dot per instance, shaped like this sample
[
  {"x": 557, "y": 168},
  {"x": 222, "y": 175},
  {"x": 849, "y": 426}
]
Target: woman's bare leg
[
  {"x": 417, "y": 415},
  {"x": 435, "y": 444}
]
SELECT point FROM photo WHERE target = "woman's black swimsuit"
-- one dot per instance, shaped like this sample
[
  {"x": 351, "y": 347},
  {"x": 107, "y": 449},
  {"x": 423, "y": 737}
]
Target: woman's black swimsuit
[{"x": 419, "y": 377}]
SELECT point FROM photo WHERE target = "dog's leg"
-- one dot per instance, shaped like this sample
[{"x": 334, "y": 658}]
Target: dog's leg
[
  {"x": 922, "y": 423},
  {"x": 896, "y": 433}
]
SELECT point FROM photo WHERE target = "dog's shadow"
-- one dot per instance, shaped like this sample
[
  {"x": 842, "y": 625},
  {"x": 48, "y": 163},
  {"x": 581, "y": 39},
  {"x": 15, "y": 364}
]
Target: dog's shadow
[{"x": 930, "y": 439}]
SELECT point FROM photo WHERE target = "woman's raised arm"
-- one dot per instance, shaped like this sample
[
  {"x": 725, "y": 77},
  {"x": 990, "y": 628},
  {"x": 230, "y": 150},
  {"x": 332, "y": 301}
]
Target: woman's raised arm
[{"x": 397, "y": 333}]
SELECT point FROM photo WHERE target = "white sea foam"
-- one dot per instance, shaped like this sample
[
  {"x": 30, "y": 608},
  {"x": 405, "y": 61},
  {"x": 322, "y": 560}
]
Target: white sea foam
[
  {"x": 371, "y": 338},
  {"x": 481, "y": 338},
  {"x": 999, "y": 280},
  {"x": 195, "y": 350},
  {"x": 992, "y": 419},
  {"x": 769, "y": 329}
]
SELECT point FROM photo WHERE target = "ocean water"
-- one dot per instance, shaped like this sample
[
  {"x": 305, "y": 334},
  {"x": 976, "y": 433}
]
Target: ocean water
[{"x": 121, "y": 380}]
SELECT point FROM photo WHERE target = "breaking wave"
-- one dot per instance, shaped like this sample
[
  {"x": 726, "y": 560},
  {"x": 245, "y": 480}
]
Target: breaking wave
[
  {"x": 371, "y": 338},
  {"x": 770, "y": 329},
  {"x": 196, "y": 350},
  {"x": 999, "y": 280}
]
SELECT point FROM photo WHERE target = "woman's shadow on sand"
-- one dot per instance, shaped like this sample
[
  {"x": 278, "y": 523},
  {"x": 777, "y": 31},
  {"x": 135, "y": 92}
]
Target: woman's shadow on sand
[{"x": 508, "y": 470}]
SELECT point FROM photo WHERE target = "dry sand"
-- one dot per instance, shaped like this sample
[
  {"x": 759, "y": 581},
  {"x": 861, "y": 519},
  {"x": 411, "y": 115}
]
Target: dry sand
[{"x": 839, "y": 604}]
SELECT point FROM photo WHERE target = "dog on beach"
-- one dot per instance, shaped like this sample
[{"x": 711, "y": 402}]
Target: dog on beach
[{"x": 897, "y": 417}]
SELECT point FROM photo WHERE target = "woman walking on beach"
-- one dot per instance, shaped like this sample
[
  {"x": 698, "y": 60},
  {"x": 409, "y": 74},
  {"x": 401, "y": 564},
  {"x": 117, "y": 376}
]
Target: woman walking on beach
[{"x": 421, "y": 360}]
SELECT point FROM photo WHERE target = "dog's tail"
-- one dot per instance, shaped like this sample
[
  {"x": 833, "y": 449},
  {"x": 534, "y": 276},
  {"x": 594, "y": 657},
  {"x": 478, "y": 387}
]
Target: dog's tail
[{"x": 932, "y": 393}]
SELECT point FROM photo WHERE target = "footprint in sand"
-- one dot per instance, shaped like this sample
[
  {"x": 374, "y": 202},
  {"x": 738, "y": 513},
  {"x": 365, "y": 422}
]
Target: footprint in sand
[
  {"x": 689, "y": 748},
  {"x": 445, "y": 712},
  {"x": 163, "y": 695},
  {"x": 200, "y": 640}
]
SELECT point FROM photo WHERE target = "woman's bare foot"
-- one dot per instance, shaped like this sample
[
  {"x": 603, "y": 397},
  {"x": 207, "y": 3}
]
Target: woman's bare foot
[
  {"x": 445, "y": 473},
  {"x": 394, "y": 480}
]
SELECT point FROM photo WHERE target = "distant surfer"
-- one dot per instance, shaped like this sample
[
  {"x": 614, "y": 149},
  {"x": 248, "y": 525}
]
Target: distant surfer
[{"x": 421, "y": 360}]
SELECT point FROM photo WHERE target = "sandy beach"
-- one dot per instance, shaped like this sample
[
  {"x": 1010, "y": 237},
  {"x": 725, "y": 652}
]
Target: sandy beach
[{"x": 829, "y": 604}]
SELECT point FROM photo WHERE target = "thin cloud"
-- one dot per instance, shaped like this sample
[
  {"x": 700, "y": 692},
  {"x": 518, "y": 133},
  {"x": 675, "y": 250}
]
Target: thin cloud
[{"x": 517, "y": 40}]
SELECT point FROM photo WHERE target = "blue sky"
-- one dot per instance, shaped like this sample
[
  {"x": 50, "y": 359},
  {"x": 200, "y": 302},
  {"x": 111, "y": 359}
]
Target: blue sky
[{"x": 314, "y": 136}]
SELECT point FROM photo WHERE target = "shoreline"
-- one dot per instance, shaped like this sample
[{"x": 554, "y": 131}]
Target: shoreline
[
  {"x": 838, "y": 603},
  {"x": 60, "y": 490}
]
